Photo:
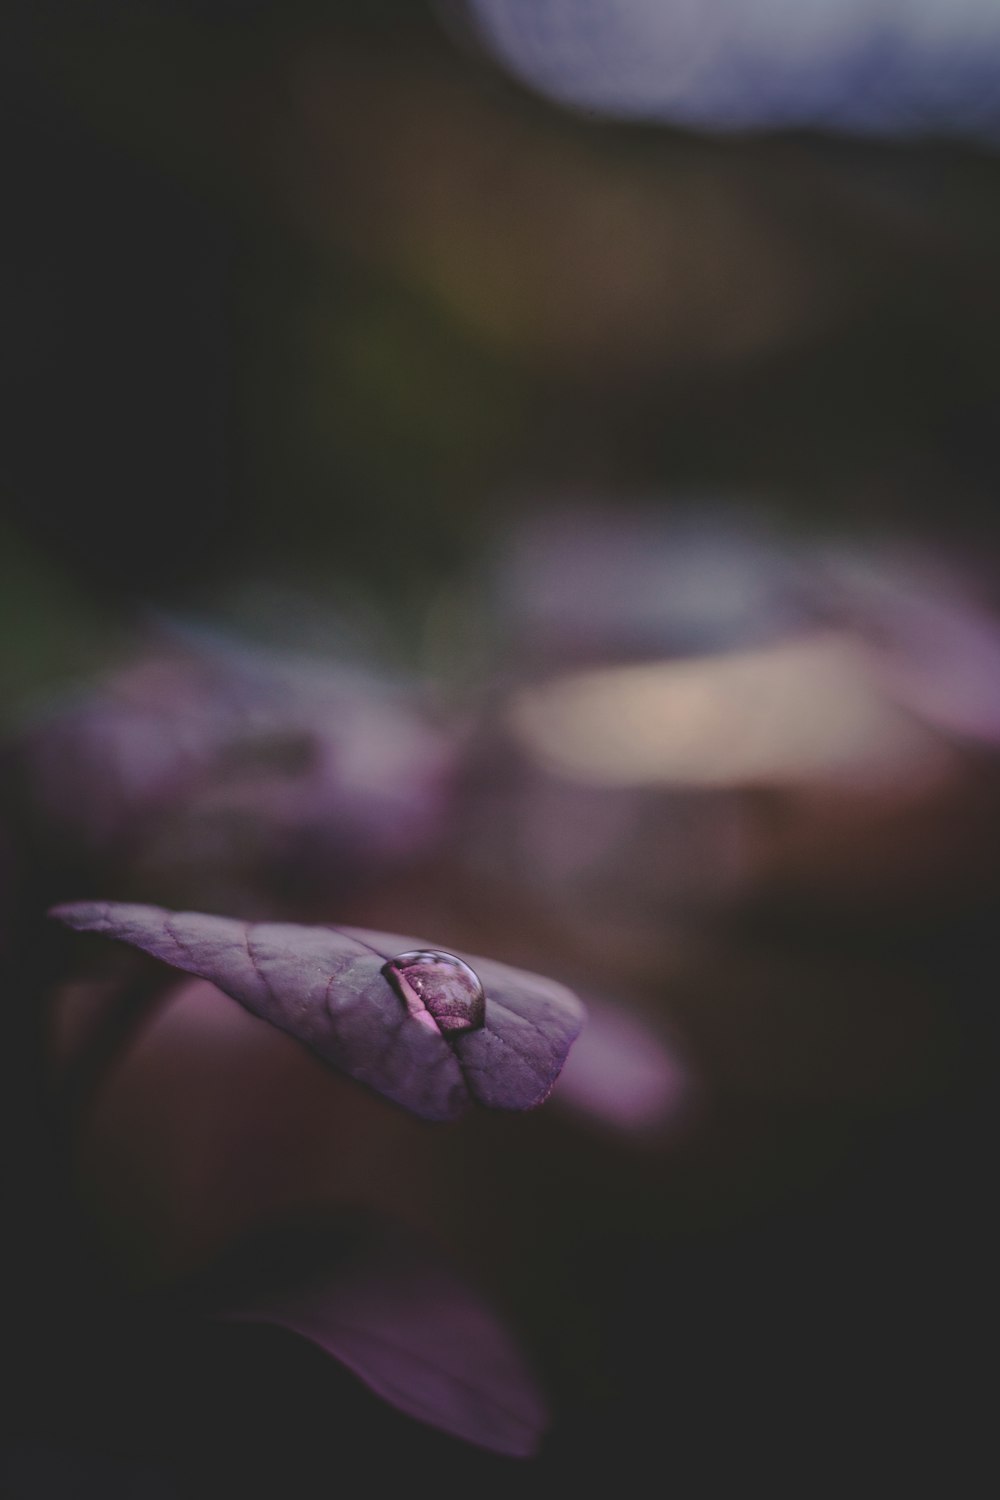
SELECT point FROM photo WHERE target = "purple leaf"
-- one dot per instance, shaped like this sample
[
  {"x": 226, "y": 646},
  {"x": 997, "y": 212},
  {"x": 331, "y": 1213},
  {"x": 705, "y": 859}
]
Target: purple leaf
[
  {"x": 233, "y": 774},
  {"x": 932, "y": 637},
  {"x": 418, "y": 1336},
  {"x": 622, "y": 1073},
  {"x": 326, "y": 987}
]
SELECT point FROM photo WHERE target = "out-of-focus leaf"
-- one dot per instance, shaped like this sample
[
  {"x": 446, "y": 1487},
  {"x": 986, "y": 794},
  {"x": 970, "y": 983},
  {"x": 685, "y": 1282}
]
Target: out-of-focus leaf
[
  {"x": 887, "y": 67},
  {"x": 325, "y": 986},
  {"x": 932, "y": 638},
  {"x": 417, "y": 1335},
  {"x": 597, "y": 583},
  {"x": 239, "y": 777},
  {"x": 622, "y": 1074},
  {"x": 806, "y": 710}
]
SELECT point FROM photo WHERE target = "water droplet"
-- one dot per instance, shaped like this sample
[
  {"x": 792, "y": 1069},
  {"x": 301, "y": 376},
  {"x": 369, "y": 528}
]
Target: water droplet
[{"x": 439, "y": 990}]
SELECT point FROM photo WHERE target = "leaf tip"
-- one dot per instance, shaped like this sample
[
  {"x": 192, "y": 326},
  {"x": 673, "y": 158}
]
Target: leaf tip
[{"x": 82, "y": 916}]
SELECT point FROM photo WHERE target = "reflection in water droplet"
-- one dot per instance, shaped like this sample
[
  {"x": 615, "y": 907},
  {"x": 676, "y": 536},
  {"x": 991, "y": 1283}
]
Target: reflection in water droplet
[{"x": 439, "y": 990}]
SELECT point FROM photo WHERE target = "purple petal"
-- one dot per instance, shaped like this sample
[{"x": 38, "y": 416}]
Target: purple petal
[
  {"x": 325, "y": 986},
  {"x": 420, "y": 1338}
]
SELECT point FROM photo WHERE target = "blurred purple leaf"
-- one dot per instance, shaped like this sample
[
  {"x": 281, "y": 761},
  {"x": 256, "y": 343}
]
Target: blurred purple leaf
[
  {"x": 931, "y": 630},
  {"x": 234, "y": 774},
  {"x": 325, "y": 986},
  {"x": 403, "y": 1321},
  {"x": 601, "y": 583},
  {"x": 622, "y": 1074}
]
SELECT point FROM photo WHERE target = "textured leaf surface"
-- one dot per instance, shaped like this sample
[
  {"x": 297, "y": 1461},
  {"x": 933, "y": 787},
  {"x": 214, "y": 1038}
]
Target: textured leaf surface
[{"x": 325, "y": 986}]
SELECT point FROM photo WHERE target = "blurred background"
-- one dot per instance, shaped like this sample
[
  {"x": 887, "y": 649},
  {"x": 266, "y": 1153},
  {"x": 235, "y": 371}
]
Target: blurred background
[{"x": 525, "y": 473}]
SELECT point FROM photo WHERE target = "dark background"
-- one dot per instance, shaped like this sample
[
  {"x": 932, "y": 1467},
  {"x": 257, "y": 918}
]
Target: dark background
[{"x": 306, "y": 309}]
